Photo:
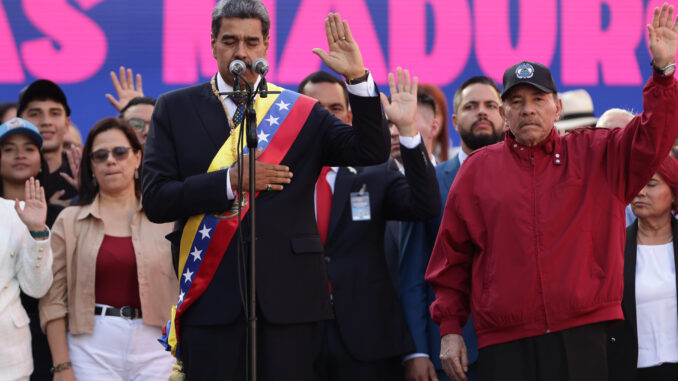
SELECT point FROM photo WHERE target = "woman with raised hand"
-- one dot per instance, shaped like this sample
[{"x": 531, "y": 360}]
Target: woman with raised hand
[
  {"x": 113, "y": 277},
  {"x": 25, "y": 262}
]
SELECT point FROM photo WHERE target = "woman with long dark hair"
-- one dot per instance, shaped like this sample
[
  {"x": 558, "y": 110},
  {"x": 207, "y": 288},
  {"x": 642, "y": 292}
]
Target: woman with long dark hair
[{"x": 113, "y": 278}]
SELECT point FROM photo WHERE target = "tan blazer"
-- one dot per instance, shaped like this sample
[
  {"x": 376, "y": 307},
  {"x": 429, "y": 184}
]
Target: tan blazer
[{"x": 77, "y": 235}]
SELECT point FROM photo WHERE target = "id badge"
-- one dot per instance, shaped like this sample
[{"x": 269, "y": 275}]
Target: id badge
[{"x": 360, "y": 205}]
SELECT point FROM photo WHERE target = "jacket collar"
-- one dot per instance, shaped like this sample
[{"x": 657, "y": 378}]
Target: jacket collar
[
  {"x": 549, "y": 147},
  {"x": 93, "y": 209}
]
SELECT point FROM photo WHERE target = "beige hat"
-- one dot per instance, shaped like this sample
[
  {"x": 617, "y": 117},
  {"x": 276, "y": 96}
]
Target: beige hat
[{"x": 577, "y": 110}]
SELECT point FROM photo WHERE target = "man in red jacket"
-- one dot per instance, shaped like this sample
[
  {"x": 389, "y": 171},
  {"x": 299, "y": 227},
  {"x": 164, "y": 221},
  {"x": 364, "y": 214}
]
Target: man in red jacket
[{"x": 521, "y": 245}]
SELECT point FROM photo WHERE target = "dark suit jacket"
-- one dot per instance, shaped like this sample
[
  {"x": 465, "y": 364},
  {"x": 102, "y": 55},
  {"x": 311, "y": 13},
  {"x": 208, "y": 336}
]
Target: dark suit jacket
[
  {"x": 187, "y": 129},
  {"x": 366, "y": 305},
  {"x": 416, "y": 244},
  {"x": 622, "y": 343}
]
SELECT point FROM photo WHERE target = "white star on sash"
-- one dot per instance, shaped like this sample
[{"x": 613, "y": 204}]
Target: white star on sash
[
  {"x": 271, "y": 120},
  {"x": 205, "y": 232},
  {"x": 181, "y": 297},
  {"x": 196, "y": 254},
  {"x": 188, "y": 275},
  {"x": 282, "y": 105},
  {"x": 263, "y": 137}
]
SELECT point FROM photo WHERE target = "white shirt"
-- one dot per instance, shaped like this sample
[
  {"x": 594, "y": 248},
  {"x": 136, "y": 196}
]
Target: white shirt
[
  {"x": 657, "y": 316},
  {"x": 364, "y": 89},
  {"x": 462, "y": 156},
  {"x": 25, "y": 264}
]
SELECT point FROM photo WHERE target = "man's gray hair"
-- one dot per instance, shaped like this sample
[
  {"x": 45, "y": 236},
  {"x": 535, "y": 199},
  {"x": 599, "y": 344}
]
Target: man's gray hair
[{"x": 241, "y": 9}]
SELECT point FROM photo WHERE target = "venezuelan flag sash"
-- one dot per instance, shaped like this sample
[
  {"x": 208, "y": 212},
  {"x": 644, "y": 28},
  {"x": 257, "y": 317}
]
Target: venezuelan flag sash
[{"x": 206, "y": 237}]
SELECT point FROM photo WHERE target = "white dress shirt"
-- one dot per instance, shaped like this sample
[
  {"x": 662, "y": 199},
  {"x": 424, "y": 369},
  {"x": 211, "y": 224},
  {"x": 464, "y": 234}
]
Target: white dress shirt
[{"x": 656, "y": 312}]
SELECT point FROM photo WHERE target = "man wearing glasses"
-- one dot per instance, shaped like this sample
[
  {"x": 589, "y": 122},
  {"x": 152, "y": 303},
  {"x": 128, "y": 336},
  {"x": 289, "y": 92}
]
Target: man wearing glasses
[{"x": 138, "y": 114}]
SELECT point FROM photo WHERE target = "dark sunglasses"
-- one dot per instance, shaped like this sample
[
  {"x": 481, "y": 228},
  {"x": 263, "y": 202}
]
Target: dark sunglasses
[
  {"x": 138, "y": 123},
  {"x": 101, "y": 155}
]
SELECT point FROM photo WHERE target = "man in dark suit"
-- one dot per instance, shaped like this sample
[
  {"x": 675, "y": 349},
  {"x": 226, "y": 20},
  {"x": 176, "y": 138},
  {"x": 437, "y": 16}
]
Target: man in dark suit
[
  {"x": 476, "y": 118},
  {"x": 369, "y": 335},
  {"x": 186, "y": 178}
]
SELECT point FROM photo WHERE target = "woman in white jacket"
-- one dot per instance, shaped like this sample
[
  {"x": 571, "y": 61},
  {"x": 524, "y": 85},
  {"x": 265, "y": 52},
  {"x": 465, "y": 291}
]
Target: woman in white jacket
[{"x": 25, "y": 263}]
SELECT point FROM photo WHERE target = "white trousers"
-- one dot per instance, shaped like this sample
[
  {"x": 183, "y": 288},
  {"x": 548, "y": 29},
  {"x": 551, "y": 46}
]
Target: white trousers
[{"x": 119, "y": 349}]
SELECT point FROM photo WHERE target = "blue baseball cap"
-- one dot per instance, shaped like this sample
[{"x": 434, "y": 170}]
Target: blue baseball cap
[{"x": 20, "y": 126}]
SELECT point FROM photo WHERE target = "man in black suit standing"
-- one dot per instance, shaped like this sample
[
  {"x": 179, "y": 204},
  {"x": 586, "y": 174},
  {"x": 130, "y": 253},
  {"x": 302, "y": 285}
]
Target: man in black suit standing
[
  {"x": 369, "y": 335},
  {"x": 190, "y": 176}
]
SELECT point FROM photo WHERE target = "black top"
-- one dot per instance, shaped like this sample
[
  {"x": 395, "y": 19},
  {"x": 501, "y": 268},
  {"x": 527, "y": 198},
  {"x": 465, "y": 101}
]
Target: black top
[{"x": 56, "y": 182}]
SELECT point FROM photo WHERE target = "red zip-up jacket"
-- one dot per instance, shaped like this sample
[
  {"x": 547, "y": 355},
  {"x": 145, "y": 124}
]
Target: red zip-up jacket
[{"x": 532, "y": 239}]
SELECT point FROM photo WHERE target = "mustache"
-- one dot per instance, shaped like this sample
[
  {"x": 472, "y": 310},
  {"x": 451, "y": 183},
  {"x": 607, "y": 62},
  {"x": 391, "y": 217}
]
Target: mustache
[
  {"x": 526, "y": 121},
  {"x": 482, "y": 120}
]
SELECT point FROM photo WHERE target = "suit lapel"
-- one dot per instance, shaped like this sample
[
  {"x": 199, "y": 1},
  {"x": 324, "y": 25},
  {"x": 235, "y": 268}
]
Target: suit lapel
[
  {"x": 211, "y": 114},
  {"x": 630, "y": 252},
  {"x": 340, "y": 198}
]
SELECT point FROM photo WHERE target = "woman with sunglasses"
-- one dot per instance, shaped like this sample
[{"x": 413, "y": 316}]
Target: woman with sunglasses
[
  {"x": 113, "y": 277},
  {"x": 21, "y": 159},
  {"x": 25, "y": 254}
]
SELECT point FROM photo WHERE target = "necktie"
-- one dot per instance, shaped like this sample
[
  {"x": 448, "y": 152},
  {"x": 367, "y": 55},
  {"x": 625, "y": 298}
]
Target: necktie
[
  {"x": 239, "y": 101},
  {"x": 323, "y": 198}
]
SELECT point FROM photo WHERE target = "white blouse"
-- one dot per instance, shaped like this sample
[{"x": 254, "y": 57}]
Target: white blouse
[
  {"x": 657, "y": 315},
  {"x": 25, "y": 264}
]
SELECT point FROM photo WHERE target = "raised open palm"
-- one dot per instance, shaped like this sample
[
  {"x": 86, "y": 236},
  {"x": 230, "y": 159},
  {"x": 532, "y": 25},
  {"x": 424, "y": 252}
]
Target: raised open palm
[
  {"x": 402, "y": 109},
  {"x": 344, "y": 57},
  {"x": 34, "y": 212},
  {"x": 662, "y": 33}
]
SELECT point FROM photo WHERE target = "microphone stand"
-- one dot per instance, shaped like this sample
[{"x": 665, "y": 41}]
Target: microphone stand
[{"x": 250, "y": 123}]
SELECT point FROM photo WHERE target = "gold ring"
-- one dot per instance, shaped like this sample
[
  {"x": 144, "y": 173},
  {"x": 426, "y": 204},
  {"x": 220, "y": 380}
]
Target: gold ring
[{"x": 269, "y": 188}]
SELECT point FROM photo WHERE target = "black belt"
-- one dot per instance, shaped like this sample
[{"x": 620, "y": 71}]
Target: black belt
[{"x": 126, "y": 312}]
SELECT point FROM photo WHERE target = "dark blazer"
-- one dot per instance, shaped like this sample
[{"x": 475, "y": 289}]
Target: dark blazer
[
  {"x": 416, "y": 243},
  {"x": 187, "y": 129},
  {"x": 622, "y": 343},
  {"x": 366, "y": 306}
]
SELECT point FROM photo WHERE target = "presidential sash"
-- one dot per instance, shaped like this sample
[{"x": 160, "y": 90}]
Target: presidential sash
[{"x": 206, "y": 237}]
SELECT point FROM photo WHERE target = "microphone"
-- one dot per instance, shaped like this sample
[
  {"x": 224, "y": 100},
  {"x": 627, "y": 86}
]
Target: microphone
[
  {"x": 237, "y": 67},
  {"x": 260, "y": 66}
]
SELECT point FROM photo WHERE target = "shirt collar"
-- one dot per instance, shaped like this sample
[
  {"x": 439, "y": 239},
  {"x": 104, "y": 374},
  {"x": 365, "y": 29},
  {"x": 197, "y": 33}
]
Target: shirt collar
[
  {"x": 224, "y": 87},
  {"x": 551, "y": 146},
  {"x": 93, "y": 209},
  {"x": 461, "y": 156}
]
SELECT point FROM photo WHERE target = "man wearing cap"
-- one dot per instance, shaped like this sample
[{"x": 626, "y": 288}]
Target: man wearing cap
[
  {"x": 521, "y": 246},
  {"x": 44, "y": 104}
]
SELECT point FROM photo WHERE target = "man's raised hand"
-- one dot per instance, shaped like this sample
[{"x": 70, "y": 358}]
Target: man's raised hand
[
  {"x": 662, "y": 36},
  {"x": 402, "y": 109},
  {"x": 344, "y": 57}
]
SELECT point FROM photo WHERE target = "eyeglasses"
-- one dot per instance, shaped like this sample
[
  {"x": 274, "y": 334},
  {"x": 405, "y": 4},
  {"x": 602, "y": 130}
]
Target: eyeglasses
[
  {"x": 101, "y": 155},
  {"x": 138, "y": 123}
]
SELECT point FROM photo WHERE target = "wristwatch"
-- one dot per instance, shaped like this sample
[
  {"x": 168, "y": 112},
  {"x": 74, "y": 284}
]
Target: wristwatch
[
  {"x": 666, "y": 70},
  {"x": 39, "y": 234},
  {"x": 360, "y": 79}
]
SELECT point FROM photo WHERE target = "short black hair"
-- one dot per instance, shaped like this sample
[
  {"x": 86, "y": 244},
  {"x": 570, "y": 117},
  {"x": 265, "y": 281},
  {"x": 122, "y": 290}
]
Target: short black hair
[
  {"x": 426, "y": 100},
  {"x": 137, "y": 101},
  {"x": 241, "y": 9},
  {"x": 323, "y": 77},
  {"x": 472, "y": 81}
]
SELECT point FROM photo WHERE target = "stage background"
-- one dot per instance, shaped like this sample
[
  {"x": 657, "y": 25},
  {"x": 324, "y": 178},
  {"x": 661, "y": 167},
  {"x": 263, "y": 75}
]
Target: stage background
[{"x": 592, "y": 44}]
